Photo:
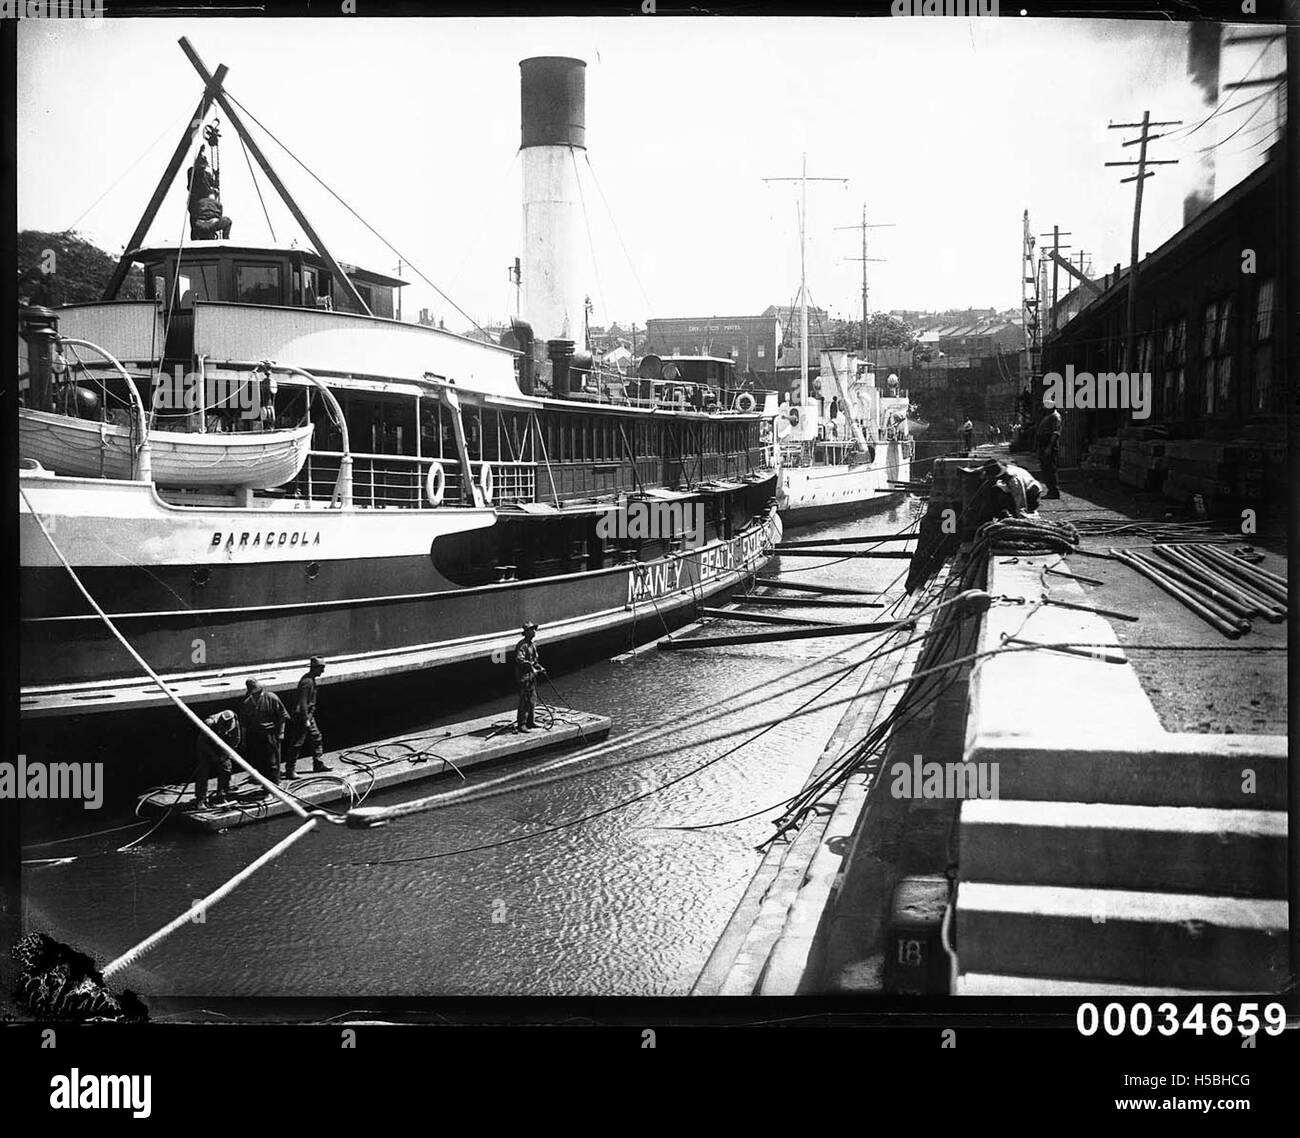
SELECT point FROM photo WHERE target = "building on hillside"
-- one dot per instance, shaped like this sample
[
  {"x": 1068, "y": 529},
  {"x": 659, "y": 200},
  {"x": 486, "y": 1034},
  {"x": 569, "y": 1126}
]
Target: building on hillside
[{"x": 751, "y": 341}]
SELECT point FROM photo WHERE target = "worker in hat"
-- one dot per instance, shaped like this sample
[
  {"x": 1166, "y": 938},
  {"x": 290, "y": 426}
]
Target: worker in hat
[
  {"x": 214, "y": 759},
  {"x": 1047, "y": 440},
  {"x": 968, "y": 435},
  {"x": 527, "y": 668},
  {"x": 303, "y": 724},
  {"x": 1012, "y": 487},
  {"x": 262, "y": 718}
]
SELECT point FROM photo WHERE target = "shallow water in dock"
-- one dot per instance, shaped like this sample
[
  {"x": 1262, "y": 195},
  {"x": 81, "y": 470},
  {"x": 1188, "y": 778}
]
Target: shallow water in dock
[{"x": 623, "y": 904}]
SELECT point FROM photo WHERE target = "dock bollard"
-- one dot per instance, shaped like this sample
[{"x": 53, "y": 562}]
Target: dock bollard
[{"x": 916, "y": 963}]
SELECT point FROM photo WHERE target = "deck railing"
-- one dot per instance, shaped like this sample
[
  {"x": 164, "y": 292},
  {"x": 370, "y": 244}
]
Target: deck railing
[{"x": 395, "y": 481}]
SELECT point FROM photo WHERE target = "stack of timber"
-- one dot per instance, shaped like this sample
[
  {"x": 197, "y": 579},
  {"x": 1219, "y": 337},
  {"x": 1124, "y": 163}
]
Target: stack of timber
[
  {"x": 1103, "y": 455},
  {"x": 1141, "y": 459}
]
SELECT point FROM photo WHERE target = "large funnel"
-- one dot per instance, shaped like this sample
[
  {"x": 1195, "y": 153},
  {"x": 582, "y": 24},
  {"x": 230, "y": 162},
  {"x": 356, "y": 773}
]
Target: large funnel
[{"x": 553, "y": 104}]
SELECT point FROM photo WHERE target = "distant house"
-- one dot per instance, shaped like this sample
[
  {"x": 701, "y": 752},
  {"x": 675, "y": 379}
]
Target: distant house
[{"x": 752, "y": 341}]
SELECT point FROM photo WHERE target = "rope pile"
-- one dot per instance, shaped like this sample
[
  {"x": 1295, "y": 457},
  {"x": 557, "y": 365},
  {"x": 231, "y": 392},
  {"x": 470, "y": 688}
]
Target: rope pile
[
  {"x": 58, "y": 982},
  {"x": 1024, "y": 535}
]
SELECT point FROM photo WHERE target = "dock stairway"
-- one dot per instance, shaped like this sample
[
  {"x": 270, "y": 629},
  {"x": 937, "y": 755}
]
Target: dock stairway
[{"x": 1118, "y": 858}]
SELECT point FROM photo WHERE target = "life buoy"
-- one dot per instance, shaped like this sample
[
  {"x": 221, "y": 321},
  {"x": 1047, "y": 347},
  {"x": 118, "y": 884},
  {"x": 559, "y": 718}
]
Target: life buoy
[
  {"x": 744, "y": 402},
  {"x": 485, "y": 483},
  {"x": 435, "y": 483},
  {"x": 794, "y": 416}
]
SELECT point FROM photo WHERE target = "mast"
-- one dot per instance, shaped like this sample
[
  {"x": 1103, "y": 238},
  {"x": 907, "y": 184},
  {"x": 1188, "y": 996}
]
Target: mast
[
  {"x": 803, "y": 181},
  {"x": 803, "y": 283},
  {"x": 864, "y": 259}
]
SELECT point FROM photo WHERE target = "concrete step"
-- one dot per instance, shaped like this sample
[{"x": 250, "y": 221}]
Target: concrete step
[
  {"x": 1187, "y": 849},
  {"x": 1225, "y": 772},
  {"x": 1121, "y": 936}
]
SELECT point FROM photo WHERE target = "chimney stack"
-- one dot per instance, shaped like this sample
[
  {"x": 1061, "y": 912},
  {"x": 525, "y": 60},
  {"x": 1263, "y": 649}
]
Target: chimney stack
[{"x": 553, "y": 103}]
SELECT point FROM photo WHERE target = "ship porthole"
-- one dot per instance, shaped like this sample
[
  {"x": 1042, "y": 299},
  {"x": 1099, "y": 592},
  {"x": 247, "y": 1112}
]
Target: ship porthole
[
  {"x": 313, "y": 570},
  {"x": 201, "y": 576}
]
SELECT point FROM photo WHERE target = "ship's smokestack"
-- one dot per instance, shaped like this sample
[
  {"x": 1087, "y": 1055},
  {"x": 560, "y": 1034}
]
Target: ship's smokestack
[
  {"x": 1203, "y": 48},
  {"x": 553, "y": 101}
]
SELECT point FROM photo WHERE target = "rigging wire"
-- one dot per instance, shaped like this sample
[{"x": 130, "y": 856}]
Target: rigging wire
[
  {"x": 257, "y": 186},
  {"x": 591, "y": 245},
  {"x": 391, "y": 247},
  {"x": 617, "y": 232},
  {"x": 171, "y": 126}
]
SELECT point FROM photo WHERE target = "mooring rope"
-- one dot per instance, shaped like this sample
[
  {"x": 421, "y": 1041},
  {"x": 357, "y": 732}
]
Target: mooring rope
[
  {"x": 132, "y": 955},
  {"x": 288, "y": 799},
  {"x": 311, "y": 818}
]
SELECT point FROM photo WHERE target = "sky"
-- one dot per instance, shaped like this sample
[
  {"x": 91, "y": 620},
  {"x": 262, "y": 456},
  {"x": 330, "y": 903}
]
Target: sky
[{"x": 947, "y": 128}]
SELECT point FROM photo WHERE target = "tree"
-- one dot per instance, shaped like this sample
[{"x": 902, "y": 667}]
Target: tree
[
  {"x": 883, "y": 331},
  {"x": 65, "y": 268}
]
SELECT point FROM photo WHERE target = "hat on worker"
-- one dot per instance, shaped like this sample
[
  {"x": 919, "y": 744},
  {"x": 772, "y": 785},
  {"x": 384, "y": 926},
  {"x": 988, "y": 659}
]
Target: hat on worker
[
  {"x": 530, "y": 624},
  {"x": 316, "y": 662}
]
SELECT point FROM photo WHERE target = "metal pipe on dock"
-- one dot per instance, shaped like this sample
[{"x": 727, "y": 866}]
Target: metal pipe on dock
[
  {"x": 1261, "y": 579},
  {"x": 1248, "y": 585},
  {"x": 1236, "y": 604},
  {"x": 1249, "y": 602},
  {"x": 1229, "y": 611},
  {"x": 1210, "y": 616}
]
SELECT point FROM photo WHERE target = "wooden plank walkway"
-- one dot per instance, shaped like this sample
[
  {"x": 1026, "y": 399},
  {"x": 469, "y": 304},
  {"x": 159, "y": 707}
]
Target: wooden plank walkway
[{"x": 358, "y": 771}]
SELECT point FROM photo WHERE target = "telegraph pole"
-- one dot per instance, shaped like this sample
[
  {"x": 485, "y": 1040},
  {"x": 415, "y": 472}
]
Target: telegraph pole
[
  {"x": 864, "y": 259},
  {"x": 1056, "y": 236},
  {"x": 803, "y": 181},
  {"x": 1130, "y": 339}
]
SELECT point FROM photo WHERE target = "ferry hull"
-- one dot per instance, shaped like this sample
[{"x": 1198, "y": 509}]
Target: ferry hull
[
  {"x": 208, "y": 609},
  {"x": 821, "y": 493}
]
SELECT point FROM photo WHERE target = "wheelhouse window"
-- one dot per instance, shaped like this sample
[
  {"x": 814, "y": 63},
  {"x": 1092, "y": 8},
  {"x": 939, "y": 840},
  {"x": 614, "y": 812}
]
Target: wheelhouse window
[
  {"x": 198, "y": 281},
  {"x": 258, "y": 284}
]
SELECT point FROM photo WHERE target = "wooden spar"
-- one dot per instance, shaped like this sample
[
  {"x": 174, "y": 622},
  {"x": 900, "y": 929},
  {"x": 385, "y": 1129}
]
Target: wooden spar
[
  {"x": 274, "y": 178},
  {"x": 164, "y": 183},
  {"x": 817, "y": 542},
  {"x": 776, "y": 583},
  {"x": 780, "y": 634},
  {"x": 765, "y": 618},
  {"x": 808, "y": 602},
  {"x": 786, "y": 551}
]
